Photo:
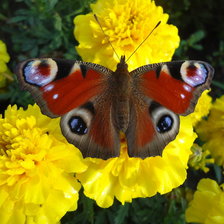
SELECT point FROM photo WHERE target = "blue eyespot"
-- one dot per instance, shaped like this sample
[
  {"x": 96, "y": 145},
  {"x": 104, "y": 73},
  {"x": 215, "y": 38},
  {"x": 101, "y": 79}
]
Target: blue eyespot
[
  {"x": 164, "y": 124},
  {"x": 77, "y": 125}
]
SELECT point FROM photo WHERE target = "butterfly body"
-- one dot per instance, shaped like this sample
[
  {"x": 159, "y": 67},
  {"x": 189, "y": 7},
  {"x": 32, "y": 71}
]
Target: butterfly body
[
  {"x": 121, "y": 87},
  {"x": 95, "y": 103}
]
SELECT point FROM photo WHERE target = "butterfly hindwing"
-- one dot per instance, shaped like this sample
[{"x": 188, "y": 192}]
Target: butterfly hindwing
[
  {"x": 90, "y": 128},
  {"x": 77, "y": 92},
  {"x": 151, "y": 128}
]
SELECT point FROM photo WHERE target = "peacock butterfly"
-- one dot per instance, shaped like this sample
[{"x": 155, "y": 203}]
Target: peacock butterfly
[{"x": 95, "y": 103}]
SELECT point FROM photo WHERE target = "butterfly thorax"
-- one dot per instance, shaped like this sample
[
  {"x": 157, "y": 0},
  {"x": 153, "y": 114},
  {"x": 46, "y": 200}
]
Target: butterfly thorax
[{"x": 121, "y": 96}]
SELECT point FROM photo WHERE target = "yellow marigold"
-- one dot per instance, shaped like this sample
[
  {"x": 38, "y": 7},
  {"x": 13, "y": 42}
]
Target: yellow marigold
[
  {"x": 202, "y": 108},
  {"x": 126, "y": 178},
  {"x": 207, "y": 206},
  {"x": 200, "y": 158},
  {"x": 212, "y": 131},
  {"x": 4, "y": 58},
  {"x": 126, "y": 23},
  {"x": 37, "y": 166}
]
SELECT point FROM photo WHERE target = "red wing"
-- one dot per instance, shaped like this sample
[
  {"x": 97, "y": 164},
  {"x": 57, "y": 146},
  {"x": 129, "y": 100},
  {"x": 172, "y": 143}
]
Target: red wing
[
  {"x": 59, "y": 86},
  {"x": 175, "y": 85}
]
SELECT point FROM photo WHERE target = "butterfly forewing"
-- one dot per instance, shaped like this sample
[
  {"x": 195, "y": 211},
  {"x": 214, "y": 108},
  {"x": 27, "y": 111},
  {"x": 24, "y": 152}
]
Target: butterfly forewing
[{"x": 175, "y": 85}]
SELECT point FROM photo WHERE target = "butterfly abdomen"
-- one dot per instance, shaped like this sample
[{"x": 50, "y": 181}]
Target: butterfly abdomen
[{"x": 121, "y": 112}]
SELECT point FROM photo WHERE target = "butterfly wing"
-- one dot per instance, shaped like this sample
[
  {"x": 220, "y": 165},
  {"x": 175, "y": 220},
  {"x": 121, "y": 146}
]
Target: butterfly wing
[
  {"x": 78, "y": 92},
  {"x": 164, "y": 91}
]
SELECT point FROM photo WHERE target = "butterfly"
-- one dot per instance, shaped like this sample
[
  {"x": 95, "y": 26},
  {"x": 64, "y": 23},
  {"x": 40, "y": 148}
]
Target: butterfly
[{"x": 95, "y": 104}]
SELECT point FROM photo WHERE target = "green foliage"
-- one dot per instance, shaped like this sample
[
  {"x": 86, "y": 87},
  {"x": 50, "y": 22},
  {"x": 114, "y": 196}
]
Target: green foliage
[
  {"x": 41, "y": 27},
  {"x": 193, "y": 42},
  {"x": 14, "y": 95},
  {"x": 168, "y": 209}
]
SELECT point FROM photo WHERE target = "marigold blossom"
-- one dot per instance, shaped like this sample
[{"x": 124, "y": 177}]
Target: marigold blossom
[
  {"x": 125, "y": 31},
  {"x": 200, "y": 158},
  {"x": 202, "y": 108},
  {"x": 212, "y": 131},
  {"x": 37, "y": 167},
  {"x": 207, "y": 206}
]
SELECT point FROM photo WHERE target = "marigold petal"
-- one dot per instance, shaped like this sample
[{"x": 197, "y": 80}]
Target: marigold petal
[
  {"x": 211, "y": 131},
  {"x": 37, "y": 167},
  {"x": 126, "y": 31},
  {"x": 207, "y": 205}
]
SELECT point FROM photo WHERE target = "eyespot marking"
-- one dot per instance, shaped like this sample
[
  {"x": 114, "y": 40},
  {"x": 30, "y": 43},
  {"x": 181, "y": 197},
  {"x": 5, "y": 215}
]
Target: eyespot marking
[
  {"x": 194, "y": 74},
  {"x": 164, "y": 124},
  {"x": 77, "y": 125},
  {"x": 40, "y": 72}
]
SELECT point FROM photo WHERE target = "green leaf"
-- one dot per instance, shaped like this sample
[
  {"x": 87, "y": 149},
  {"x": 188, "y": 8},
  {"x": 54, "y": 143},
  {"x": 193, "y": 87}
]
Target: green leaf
[
  {"x": 218, "y": 84},
  {"x": 197, "y": 36},
  {"x": 122, "y": 213},
  {"x": 218, "y": 173}
]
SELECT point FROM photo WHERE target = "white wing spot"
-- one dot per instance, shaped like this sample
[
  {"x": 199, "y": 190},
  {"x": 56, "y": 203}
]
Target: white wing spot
[
  {"x": 182, "y": 95},
  {"x": 49, "y": 87},
  {"x": 75, "y": 68},
  {"x": 165, "y": 69},
  {"x": 55, "y": 96}
]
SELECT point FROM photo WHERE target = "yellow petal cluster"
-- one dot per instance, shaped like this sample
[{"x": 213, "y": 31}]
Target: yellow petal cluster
[
  {"x": 37, "y": 167},
  {"x": 211, "y": 131},
  {"x": 202, "y": 108},
  {"x": 126, "y": 178},
  {"x": 126, "y": 23},
  {"x": 200, "y": 158},
  {"x": 207, "y": 206},
  {"x": 4, "y": 59}
]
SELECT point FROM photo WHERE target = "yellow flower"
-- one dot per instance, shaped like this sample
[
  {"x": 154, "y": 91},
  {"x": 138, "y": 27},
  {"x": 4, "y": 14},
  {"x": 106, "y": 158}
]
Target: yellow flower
[
  {"x": 126, "y": 23},
  {"x": 4, "y": 58},
  {"x": 202, "y": 108},
  {"x": 200, "y": 158},
  {"x": 126, "y": 178},
  {"x": 207, "y": 206},
  {"x": 212, "y": 131},
  {"x": 37, "y": 167}
]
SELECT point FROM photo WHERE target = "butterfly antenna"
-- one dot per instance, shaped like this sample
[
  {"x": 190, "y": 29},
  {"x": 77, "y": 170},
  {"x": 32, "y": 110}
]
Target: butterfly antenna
[
  {"x": 96, "y": 18},
  {"x": 144, "y": 40}
]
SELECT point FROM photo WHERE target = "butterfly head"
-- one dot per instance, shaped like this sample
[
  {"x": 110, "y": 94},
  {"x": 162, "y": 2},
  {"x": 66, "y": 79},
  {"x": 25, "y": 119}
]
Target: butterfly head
[{"x": 122, "y": 65}]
